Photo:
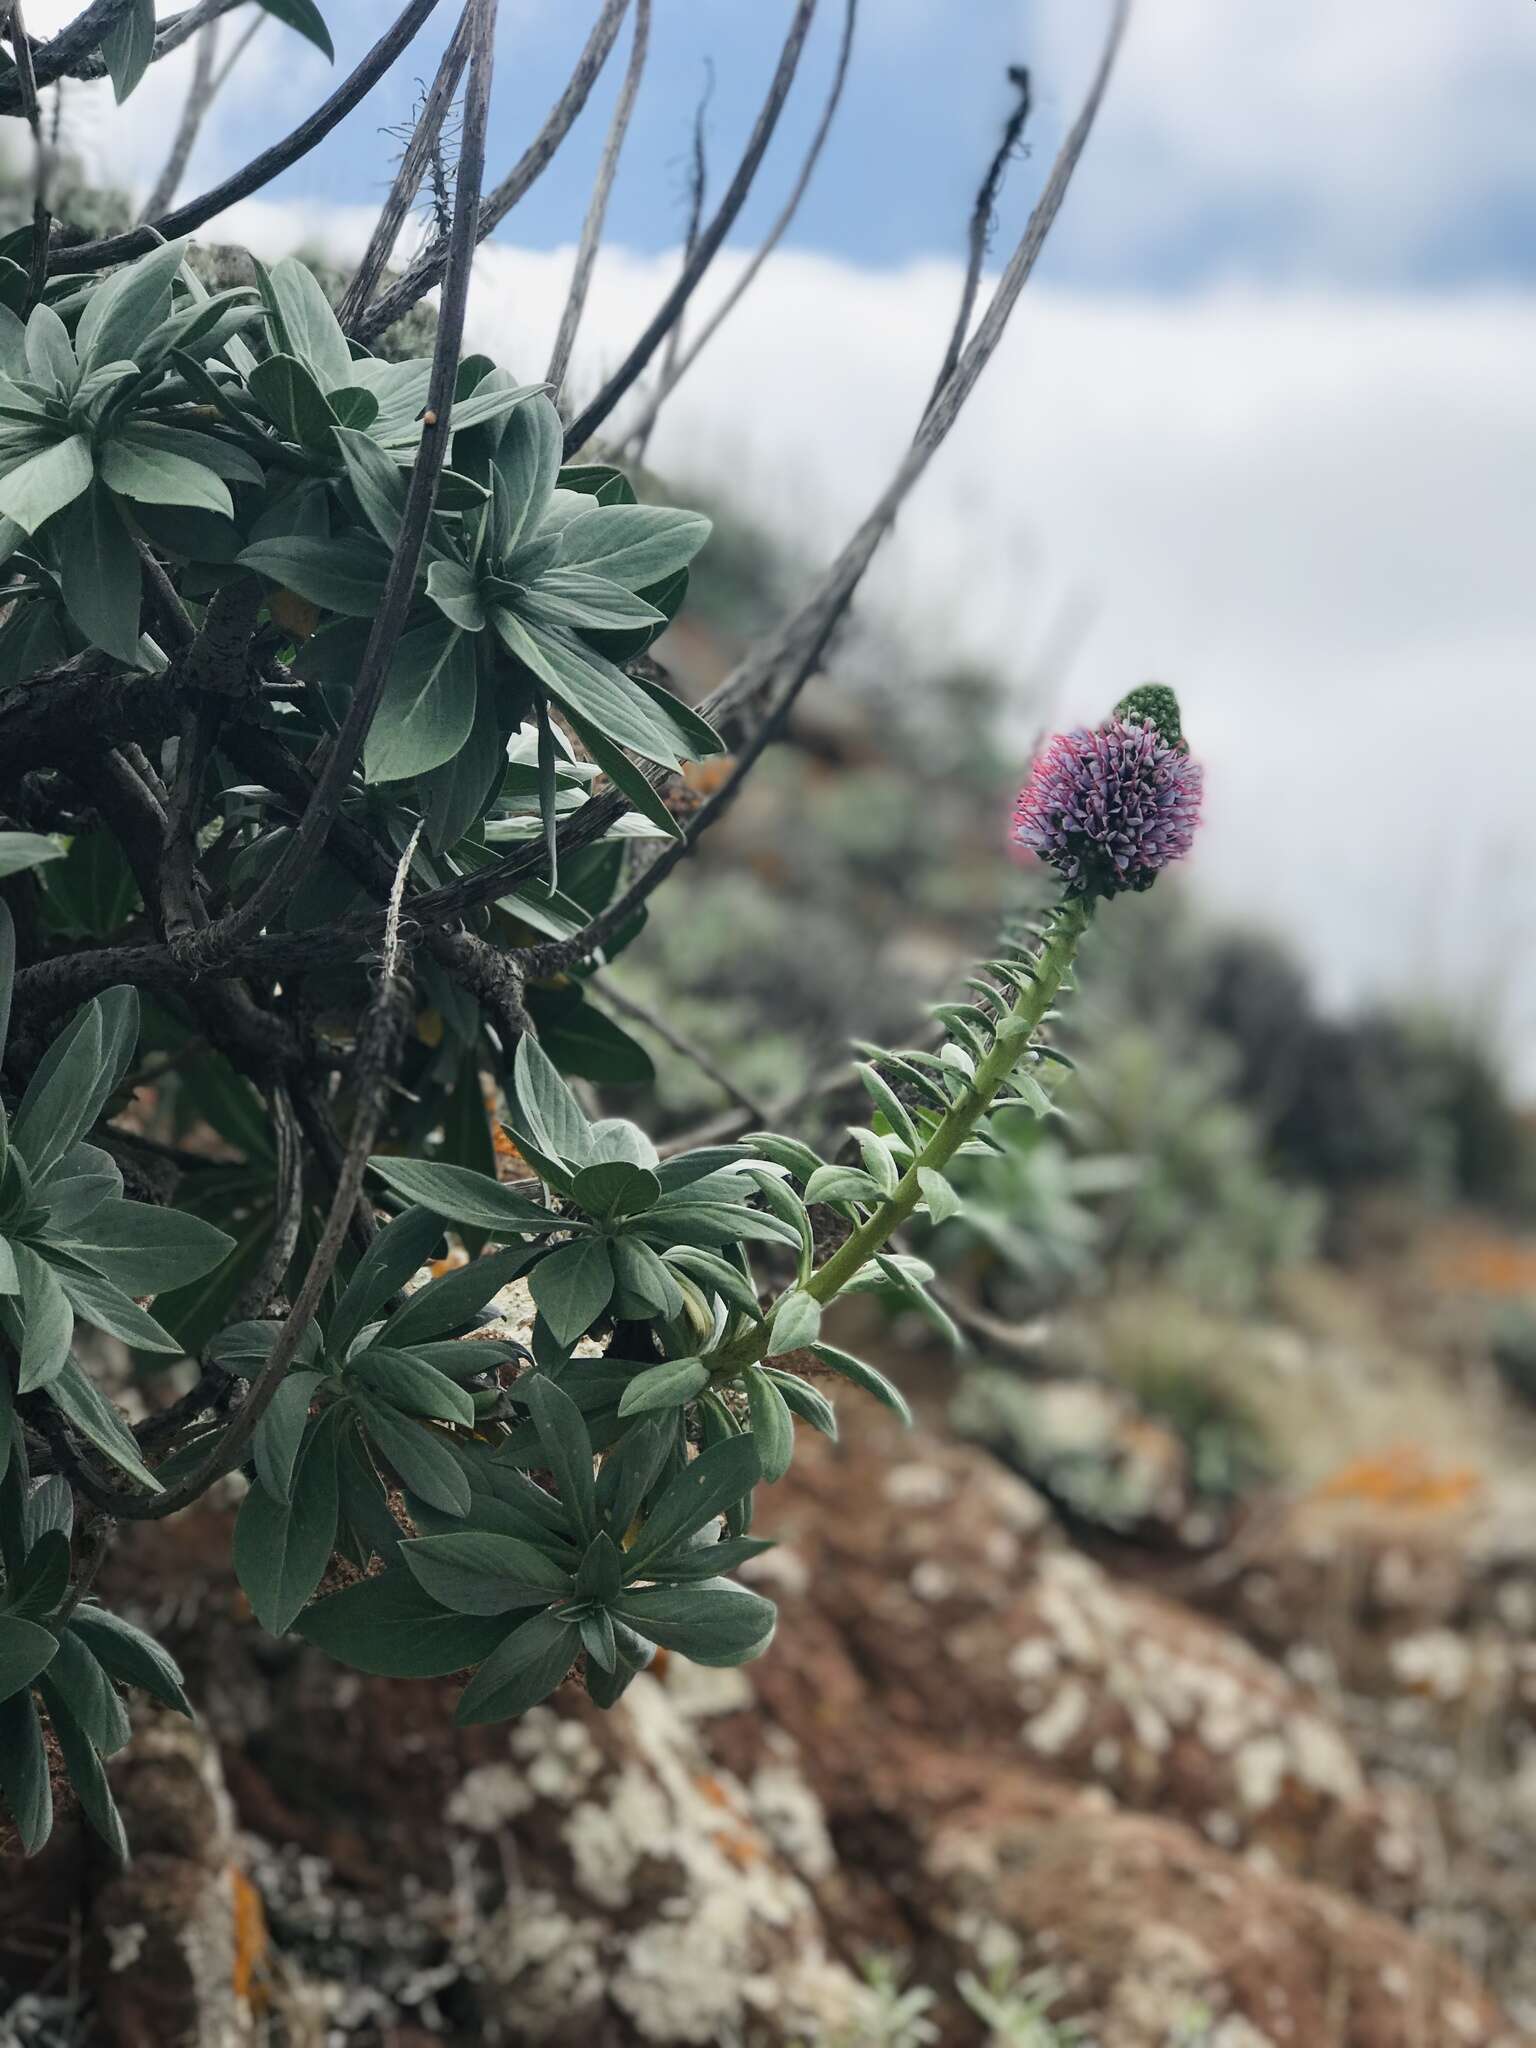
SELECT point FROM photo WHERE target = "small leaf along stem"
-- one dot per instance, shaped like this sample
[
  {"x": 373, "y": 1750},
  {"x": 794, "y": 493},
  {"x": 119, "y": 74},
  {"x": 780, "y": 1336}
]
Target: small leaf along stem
[{"x": 1058, "y": 949}]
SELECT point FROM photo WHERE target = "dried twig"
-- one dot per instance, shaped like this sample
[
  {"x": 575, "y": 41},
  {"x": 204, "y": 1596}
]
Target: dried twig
[
  {"x": 262, "y": 169},
  {"x": 26, "y": 83},
  {"x": 764, "y": 686},
  {"x": 638, "y": 1013},
  {"x": 983, "y": 215},
  {"x": 194, "y": 110},
  {"x": 413, "y": 168},
  {"x": 429, "y": 266},
  {"x": 698, "y": 184},
  {"x": 711, "y": 237},
  {"x": 684, "y": 360},
  {"x": 597, "y": 206}
]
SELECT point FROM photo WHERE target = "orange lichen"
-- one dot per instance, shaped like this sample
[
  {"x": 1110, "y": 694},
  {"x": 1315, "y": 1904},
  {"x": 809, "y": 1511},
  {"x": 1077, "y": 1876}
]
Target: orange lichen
[
  {"x": 250, "y": 1942},
  {"x": 1479, "y": 1259},
  {"x": 1402, "y": 1476}
]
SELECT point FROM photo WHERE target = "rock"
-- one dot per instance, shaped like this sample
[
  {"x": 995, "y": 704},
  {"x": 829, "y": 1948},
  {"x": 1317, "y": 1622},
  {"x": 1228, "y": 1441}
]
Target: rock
[
  {"x": 178, "y": 1937},
  {"x": 931, "y": 1577},
  {"x": 969, "y": 1746}
]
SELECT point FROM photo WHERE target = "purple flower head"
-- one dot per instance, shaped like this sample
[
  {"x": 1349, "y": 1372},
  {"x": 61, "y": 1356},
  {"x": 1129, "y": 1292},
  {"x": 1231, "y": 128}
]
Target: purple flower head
[{"x": 1109, "y": 809}]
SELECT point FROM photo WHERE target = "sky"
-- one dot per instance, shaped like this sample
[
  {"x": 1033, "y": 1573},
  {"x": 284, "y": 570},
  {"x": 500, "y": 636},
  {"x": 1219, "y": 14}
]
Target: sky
[{"x": 1263, "y": 426}]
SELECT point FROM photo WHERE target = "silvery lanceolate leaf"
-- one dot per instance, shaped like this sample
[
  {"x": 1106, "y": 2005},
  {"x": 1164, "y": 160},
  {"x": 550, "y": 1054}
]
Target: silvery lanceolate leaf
[
  {"x": 127, "y": 307},
  {"x": 150, "y": 476},
  {"x": 46, "y": 482},
  {"x": 527, "y": 462},
  {"x": 428, "y": 708},
  {"x": 304, "y": 324},
  {"x": 635, "y": 545},
  {"x": 50, "y": 353}
]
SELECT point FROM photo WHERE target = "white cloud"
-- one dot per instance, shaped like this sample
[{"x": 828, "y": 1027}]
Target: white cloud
[
  {"x": 1334, "y": 139},
  {"x": 1312, "y": 514}
]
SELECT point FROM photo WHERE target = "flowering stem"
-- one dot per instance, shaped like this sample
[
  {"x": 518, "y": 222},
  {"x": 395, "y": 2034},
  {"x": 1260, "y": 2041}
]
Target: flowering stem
[{"x": 1058, "y": 948}]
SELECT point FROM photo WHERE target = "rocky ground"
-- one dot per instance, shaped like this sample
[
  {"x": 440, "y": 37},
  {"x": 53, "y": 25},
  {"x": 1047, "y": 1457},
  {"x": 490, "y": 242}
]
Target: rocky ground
[{"x": 971, "y": 1747}]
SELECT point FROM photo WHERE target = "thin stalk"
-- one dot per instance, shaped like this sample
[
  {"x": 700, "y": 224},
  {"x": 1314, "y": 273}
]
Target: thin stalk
[{"x": 1050, "y": 967}]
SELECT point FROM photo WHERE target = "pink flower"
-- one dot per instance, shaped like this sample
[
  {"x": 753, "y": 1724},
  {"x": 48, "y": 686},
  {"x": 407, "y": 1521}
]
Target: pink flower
[{"x": 1109, "y": 809}]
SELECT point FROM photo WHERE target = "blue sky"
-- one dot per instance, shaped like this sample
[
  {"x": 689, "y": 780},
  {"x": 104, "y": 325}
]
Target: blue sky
[{"x": 1348, "y": 142}]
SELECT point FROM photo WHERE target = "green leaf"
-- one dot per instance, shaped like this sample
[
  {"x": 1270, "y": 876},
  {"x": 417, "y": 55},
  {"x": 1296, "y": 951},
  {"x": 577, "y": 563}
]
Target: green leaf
[
  {"x": 48, "y": 1321},
  {"x": 152, "y": 477},
  {"x": 634, "y": 545},
  {"x": 573, "y": 1286},
  {"x": 460, "y": 1196},
  {"x": 456, "y": 795},
  {"x": 25, "y": 1650},
  {"x": 304, "y": 16},
  {"x": 805, "y": 1401},
  {"x": 582, "y": 1041},
  {"x": 128, "y": 305},
  {"x": 305, "y": 322},
  {"x": 90, "y": 1695},
  {"x": 101, "y": 579},
  {"x": 407, "y": 1382},
  {"x": 528, "y": 464},
  {"x": 287, "y": 393},
  {"x": 427, "y": 710},
  {"x": 866, "y": 1377},
  {"x": 67, "y": 1089},
  {"x": 147, "y": 1249},
  {"x": 714, "y": 1481},
  {"x": 395, "y": 1254},
  {"x": 128, "y": 46},
  {"x": 475, "y": 1573},
  {"x": 106, "y": 1306},
  {"x": 567, "y": 1449},
  {"x": 45, "y": 483},
  {"x": 50, "y": 353},
  {"x": 728, "y": 1281},
  {"x": 388, "y": 1626},
  {"x": 24, "y": 1771},
  {"x": 842, "y": 1184},
  {"x": 714, "y": 1623},
  {"x": 36, "y": 1590},
  {"x": 281, "y": 1431},
  {"x": 521, "y": 1671},
  {"x": 773, "y": 1428},
  {"x": 205, "y": 450},
  {"x": 577, "y": 598},
  {"x": 668, "y": 1385},
  {"x": 796, "y": 1322},
  {"x": 589, "y": 688},
  {"x": 455, "y": 593},
  {"x": 615, "y": 1187},
  {"x": 82, "y": 1405},
  {"x": 912, "y": 1291},
  {"x": 546, "y": 1111},
  {"x": 379, "y": 483},
  {"x": 85, "y": 1772},
  {"x": 452, "y": 1300},
  {"x": 940, "y": 1197},
  {"x": 344, "y": 574},
  {"x": 130, "y": 1656},
  {"x": 629, "y": 780},
  {"x": 643, "y": 1277},
  {"x": 419, "y": 1455},
  {"x": 281, "y": 1550},
  {"x": 887, "y": 1101}
]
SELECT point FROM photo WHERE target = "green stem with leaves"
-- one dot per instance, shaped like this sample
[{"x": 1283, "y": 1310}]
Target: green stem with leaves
[{"x": 1049, "y": 969}]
